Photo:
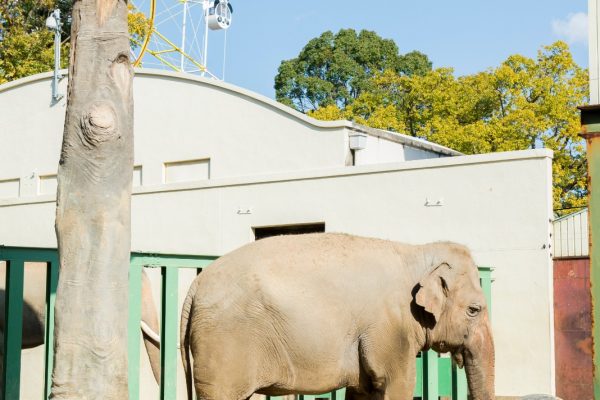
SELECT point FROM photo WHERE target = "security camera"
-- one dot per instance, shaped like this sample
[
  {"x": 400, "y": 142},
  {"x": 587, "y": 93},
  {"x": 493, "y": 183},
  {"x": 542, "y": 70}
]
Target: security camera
[{"x": 51, "y": 23}]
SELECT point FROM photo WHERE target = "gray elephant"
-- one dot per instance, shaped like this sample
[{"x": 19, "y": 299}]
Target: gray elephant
[
  {"x": 34, "y": 313},
  {"x": 312, "y": 313}
]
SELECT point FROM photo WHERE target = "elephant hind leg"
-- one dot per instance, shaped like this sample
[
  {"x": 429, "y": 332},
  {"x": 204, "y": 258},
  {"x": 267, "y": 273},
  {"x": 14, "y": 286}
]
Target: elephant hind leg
[{"x": 224, "y": 387}]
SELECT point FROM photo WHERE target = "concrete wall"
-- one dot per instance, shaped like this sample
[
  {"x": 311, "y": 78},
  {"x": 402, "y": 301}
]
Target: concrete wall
[
  {"x": 176, "y": 119},
  {"x": 239, "y": 134},
  {"x": 203, "y": 128},
  {"x": 505, "y": 221},
  {"x": 383, "y": 150}
]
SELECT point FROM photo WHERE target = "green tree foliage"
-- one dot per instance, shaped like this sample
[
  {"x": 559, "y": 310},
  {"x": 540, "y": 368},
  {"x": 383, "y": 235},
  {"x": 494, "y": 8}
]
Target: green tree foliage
[
  {"x": 337, "y": 68},
  {"x": 524, "y": 103},
  {"x": 27, "y": 47}
]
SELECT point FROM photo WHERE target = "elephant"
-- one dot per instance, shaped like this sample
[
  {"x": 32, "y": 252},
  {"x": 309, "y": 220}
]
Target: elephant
[
  {"x": 312, "y": 313},
  {"x": 34, "y": 314}
]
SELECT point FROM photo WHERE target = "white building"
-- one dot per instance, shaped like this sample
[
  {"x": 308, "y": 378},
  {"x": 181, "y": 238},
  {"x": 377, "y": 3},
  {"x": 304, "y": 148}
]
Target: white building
[{"x": 214, "y": 162}]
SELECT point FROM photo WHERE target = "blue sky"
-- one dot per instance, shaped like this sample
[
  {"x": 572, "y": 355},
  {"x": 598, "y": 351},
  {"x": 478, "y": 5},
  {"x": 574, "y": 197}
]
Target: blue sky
[{"x": 468, "y": 35}]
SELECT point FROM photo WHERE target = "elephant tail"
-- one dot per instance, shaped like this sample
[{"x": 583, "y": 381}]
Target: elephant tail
[{"x": 184, "y": 337}]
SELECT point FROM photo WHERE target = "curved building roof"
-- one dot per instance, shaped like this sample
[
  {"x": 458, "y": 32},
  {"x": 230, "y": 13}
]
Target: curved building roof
[{"x": 192, "y": 128}]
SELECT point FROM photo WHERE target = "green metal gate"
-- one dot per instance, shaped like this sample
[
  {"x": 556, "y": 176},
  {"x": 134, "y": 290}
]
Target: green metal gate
[{"x": 436, "y": 375}]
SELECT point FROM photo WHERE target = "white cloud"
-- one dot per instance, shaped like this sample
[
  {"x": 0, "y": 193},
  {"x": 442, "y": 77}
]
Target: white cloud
[{"x": 573, "y": 29}]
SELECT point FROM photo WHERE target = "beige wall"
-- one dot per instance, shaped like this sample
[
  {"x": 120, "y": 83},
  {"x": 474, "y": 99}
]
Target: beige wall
[
  {"x": 239, "y": 134},
  {"x": 505, "y": 221}
]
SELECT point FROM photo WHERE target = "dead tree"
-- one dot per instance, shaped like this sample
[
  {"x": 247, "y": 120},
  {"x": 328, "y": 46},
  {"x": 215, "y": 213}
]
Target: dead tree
[{"x": 93, "y": 212}]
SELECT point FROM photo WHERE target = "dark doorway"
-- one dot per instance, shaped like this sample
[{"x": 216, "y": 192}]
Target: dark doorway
[{"x": 267, "y": 231}]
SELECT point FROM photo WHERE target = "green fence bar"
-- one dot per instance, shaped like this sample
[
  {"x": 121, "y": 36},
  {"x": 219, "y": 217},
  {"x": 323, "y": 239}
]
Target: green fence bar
[
  {"x": 430, "y": 374},
  {"x": 444, "y": 376},
  {"x": 168, "y": 344},
  {"x": 459, "y": 383},
  {"x": 133, "y": 327},
  {"x": 171, "y": 260},
  {"x": 418, "y": 392},
  {"x": 13, "y": 332},
  {"x": 485, "y": 277},
  {"x": 51, "y": 285}
]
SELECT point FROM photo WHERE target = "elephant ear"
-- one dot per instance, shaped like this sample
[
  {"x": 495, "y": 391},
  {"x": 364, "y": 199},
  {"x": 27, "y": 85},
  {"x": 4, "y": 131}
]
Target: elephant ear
[{"x": 434, "y": 290}]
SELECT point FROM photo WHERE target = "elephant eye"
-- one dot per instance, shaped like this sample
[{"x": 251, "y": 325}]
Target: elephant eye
[{"x": 473, "y": 310}]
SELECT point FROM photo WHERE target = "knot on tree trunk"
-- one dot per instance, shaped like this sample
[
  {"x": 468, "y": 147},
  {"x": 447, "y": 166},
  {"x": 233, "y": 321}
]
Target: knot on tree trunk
[
  {"x": 121, "y": 73},
  {"x": 99, "y": 124}
]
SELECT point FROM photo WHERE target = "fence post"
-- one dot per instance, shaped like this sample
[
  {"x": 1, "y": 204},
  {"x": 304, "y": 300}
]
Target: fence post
[
  {"x": 168, "y": 364},
  {"x": 13, "y": 332},
  {"x": 590, "y": 127},
  {"x": 459, "y": 383},
  {"x": 430, "y": 375},
  {"x": 133, "y": 334},
  {"x": 51, "y": 284},
  {"x": 485, "y": 277}
]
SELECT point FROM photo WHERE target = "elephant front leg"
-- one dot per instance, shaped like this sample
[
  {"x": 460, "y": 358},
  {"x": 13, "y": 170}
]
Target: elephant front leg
[{"x": 401, "y": 385}]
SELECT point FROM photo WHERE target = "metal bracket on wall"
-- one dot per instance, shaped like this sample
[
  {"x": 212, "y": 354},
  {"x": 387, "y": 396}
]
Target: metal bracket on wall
[{"x": 434, "y": 203}]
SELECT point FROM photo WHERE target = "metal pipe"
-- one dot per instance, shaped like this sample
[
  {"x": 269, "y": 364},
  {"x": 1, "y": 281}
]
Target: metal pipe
[
  {"x": 185, "y": 7},
  {"x": 205, "y": 55},
  {"x": 590, "y": 124},
  {"x": 53, "y": 22}
]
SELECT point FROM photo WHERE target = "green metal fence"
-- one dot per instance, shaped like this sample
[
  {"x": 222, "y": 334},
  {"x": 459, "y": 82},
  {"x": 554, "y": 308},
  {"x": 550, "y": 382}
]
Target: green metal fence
[
  {"x": 436, "y": 375},
  {"x": 169, "y": 265}
]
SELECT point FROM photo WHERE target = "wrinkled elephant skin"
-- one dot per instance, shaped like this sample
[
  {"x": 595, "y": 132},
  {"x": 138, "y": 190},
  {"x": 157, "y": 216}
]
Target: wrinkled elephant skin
[{"x": 312, "y": 313}]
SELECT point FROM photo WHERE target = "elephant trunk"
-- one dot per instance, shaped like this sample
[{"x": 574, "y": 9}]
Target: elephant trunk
[{"x": 479, "y": 364}]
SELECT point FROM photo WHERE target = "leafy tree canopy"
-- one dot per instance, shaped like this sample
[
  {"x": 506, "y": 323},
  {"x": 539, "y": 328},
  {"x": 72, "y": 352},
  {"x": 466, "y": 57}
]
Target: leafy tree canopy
[
  {"x": 334, "y": 69},
  {"x": 27, "y": 47},
  {"x": 524, "y": 103}
]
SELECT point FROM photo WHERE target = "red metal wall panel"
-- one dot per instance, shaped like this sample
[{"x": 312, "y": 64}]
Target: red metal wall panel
[{"x": 573, "y": 328}]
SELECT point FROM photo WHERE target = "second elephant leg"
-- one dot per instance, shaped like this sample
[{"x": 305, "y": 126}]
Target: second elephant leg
[{"x": 353, "y": 394}]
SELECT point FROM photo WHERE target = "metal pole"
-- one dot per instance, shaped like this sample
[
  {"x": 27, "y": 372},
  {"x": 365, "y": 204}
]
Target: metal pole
[
  {"x": 205, "y": 54},
  {"x": 590, "y": 124},
  {"x": 57, "y": 38},
  {"x": 594, "y": 51},
  {"x": 185, "y": 7}
]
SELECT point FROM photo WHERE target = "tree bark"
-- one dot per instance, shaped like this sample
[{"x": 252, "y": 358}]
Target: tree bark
[{"x": 93, "y": 212}]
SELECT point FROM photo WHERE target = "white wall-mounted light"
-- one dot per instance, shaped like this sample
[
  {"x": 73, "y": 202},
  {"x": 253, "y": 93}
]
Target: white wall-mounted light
[{"x": 358, "y": 141}]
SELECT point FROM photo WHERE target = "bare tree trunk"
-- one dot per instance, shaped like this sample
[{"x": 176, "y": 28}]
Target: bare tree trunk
[{"x": 93, "y": 212}]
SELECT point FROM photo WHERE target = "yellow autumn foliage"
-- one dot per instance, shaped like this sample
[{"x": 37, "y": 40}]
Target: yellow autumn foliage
[{"x": 523, "y": 103}]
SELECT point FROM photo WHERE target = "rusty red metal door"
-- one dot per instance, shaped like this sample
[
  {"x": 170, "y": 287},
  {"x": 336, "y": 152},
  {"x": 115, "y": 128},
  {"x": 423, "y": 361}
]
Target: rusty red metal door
[{"x": 573, "y": 328}]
